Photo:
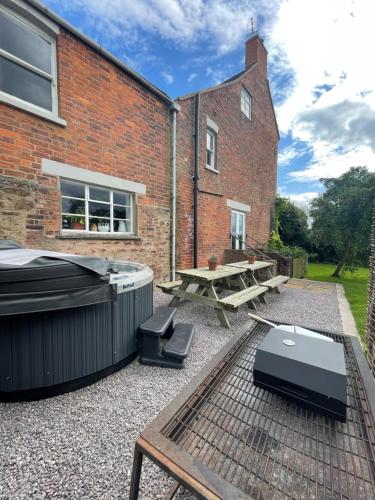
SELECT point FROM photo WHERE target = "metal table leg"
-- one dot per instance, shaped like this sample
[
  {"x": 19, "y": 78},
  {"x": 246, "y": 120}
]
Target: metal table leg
[{"x": 136, "y": 473}]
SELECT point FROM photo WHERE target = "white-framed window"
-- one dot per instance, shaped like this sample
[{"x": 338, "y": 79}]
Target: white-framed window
[
  {"x": 211, "y": 149},
  {"x": 238, "y": 230},
  {"x": 246, "y": 103},
  {"x": 95, "y": 209},
  {"x": 28, "y": 69}
]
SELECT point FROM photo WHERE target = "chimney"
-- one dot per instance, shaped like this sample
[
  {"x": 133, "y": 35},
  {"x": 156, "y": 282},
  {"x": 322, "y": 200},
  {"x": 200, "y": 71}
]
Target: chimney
[{"x": 255, "y": 52}]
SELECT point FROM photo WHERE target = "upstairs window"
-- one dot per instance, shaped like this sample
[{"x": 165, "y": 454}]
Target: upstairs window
[
  {"x": 246, "y": 103},
  {"x": 211, "y": 150},
  {"x": 95, "y": 209},
  {"x": 27, "y": 64}
]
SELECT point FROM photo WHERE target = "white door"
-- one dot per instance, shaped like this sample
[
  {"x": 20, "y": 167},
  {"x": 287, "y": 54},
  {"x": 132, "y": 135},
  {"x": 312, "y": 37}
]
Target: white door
[{"x": 238, "y": 230}]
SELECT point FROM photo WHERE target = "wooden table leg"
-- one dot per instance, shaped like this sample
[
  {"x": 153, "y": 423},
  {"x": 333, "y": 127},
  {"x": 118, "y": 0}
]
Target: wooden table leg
[
  {"x": 241, "y": 282},
  {"x": 251, "y": 305},
  {"x": 174, "y": 302},
  {"x": 136, "y": 474},
  {"x": 253, "y": 279},
  {"x": 201, "y": 290},
  {"x": 262, "y": 298},
  {"x": 219, "y": 312}
]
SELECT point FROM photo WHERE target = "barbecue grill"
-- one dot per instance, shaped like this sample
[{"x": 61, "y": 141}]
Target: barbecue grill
[{"x": 223, "y": 437}]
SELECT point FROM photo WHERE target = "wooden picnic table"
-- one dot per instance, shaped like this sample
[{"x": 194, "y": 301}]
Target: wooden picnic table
[
  {"x": 225, "y": 277},
  {"x": 252, "y": 269}
]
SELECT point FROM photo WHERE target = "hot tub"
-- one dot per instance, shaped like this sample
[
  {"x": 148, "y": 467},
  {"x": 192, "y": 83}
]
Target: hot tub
[{"x": 65, "y": 325}]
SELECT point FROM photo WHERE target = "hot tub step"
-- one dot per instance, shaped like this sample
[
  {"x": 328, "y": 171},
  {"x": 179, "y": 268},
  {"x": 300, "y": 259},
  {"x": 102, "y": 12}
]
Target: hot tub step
[
  {"x": 159, "y": 322},
  {"x": 178, "y": 347}
]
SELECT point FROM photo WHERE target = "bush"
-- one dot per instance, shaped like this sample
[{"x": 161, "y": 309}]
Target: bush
[
  {"x": 276, "y": 245},
  {"x": 313, "y": 257}
]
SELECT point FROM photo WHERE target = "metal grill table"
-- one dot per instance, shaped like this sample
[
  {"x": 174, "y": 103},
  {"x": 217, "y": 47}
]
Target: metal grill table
[{"x": 223, "y": 437}]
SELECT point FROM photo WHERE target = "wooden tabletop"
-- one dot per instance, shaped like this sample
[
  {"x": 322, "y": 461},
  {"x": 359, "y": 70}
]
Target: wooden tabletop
[
  {"x": 205, "y": 274},
  {"x": 258, "y": 264}
]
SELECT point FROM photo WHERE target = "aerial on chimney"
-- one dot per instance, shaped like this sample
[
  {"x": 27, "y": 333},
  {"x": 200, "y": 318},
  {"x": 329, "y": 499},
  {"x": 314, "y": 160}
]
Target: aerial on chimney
[{"x": 252, "y": 26}]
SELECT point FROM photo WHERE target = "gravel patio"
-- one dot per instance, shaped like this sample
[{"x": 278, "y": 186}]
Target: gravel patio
[{"x": 80, "y": 445}]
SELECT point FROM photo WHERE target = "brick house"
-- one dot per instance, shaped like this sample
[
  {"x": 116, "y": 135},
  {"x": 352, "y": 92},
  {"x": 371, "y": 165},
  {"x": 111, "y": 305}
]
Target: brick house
[
  {"x": 84, "y": 144},
  {"x": 86, "y": 163},
  {"x": 227, "y": 139}
]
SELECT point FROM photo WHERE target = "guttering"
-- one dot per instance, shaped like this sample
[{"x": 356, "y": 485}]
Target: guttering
[
  {"x": 105, "y": 53},
  {"x": 175, "y": 108},
  {"x": 196, "y": 177}
]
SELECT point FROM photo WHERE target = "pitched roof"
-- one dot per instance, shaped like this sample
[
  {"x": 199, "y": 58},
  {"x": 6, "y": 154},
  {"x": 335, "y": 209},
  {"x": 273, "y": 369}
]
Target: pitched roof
[
  {"x": 234, "y": 77},
  {"x": 229, "y": 81}
]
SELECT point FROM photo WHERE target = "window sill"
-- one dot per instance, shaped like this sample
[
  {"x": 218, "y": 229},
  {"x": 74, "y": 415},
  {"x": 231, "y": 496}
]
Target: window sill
[
  {"x": 78, "y": 235},
  {"x": 211, "y": 169},
  {"x": 29, "y": 108}
]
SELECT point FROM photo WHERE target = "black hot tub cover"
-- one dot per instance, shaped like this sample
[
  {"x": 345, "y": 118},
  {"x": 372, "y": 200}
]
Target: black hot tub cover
[{"x": 38, "y": 280}]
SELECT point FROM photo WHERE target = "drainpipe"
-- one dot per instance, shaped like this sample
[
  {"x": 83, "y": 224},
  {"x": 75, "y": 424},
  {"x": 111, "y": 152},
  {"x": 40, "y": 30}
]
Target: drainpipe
[
  {"x": 196, "y": 178},
  {"x": 175, "y": 108}
]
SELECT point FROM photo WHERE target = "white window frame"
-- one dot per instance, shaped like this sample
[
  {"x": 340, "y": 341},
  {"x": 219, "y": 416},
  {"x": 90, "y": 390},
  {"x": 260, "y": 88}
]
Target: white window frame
[
  {"x": 238, "y": 245},
  {"x": 86, "y": 216},
  {"x": 213, "y": 151},
  {"x": 52, "y": 77},
  {"x": 246, "y": 103}
]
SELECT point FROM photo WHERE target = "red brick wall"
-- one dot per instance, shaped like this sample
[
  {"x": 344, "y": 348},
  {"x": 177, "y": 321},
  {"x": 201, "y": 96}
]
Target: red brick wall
[
  {"x": 114, "y": 126},
  {"x": 246, "y": 160}
]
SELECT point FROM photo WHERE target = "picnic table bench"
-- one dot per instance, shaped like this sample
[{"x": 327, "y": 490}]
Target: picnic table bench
[
  {"x": 225, "y": 277},
  {"x": 272, "y": 283}
]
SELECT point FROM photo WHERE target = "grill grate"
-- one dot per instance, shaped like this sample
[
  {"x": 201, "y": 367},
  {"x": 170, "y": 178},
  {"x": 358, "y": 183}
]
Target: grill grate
[{"x": 270, "y": 447}]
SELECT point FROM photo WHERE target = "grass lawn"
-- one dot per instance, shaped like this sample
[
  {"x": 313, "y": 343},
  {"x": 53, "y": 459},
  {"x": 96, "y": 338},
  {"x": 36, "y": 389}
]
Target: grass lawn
[{"x": 355, "y": 285}]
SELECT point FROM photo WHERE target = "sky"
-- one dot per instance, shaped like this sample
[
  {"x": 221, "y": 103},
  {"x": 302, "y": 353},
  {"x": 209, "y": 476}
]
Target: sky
[{"x": 320, "y": 67}]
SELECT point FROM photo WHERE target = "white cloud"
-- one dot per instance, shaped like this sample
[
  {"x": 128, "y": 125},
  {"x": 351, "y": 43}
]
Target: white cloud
[
  {"x": 331, "y": 163},
  {"x": 303, "y": 198},
  {"x": 168, "y": 78},
  {"x": 222, "y": 24},
  {"x": 218, "y": 74},
  {"x": 328, "y": 103},
  {"x": 192, "y": 77},
  {"x": 287, "y": 155}
]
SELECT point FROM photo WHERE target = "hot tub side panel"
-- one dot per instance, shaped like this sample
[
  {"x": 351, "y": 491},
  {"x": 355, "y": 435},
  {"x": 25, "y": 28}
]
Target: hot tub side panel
[
  {"x": 130, "y": 311},
  {"x": 46, "y": 349},
  {"x": 42, "y": 350}
]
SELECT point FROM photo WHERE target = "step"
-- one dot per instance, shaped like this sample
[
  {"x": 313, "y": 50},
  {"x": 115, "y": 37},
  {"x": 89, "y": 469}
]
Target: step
[
  {"x": 159, "y": 322},
  {"x": 169, "y": 285},
  {"x": 238, "y": 299},
  {"x": 179, "y": 345},
  {"x": 276, "y": 281}
]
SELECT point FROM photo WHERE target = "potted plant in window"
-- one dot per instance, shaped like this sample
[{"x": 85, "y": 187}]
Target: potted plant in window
[
  {"x": 79, "y": 221},
  {"x": 212, "y": 263},
  {"x": 251, "y": 256}
]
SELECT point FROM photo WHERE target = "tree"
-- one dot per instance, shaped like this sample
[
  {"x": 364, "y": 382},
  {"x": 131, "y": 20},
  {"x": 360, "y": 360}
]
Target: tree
[
  {"x": 342, "y": 216},
  {"x": 291, "y": 223}
]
